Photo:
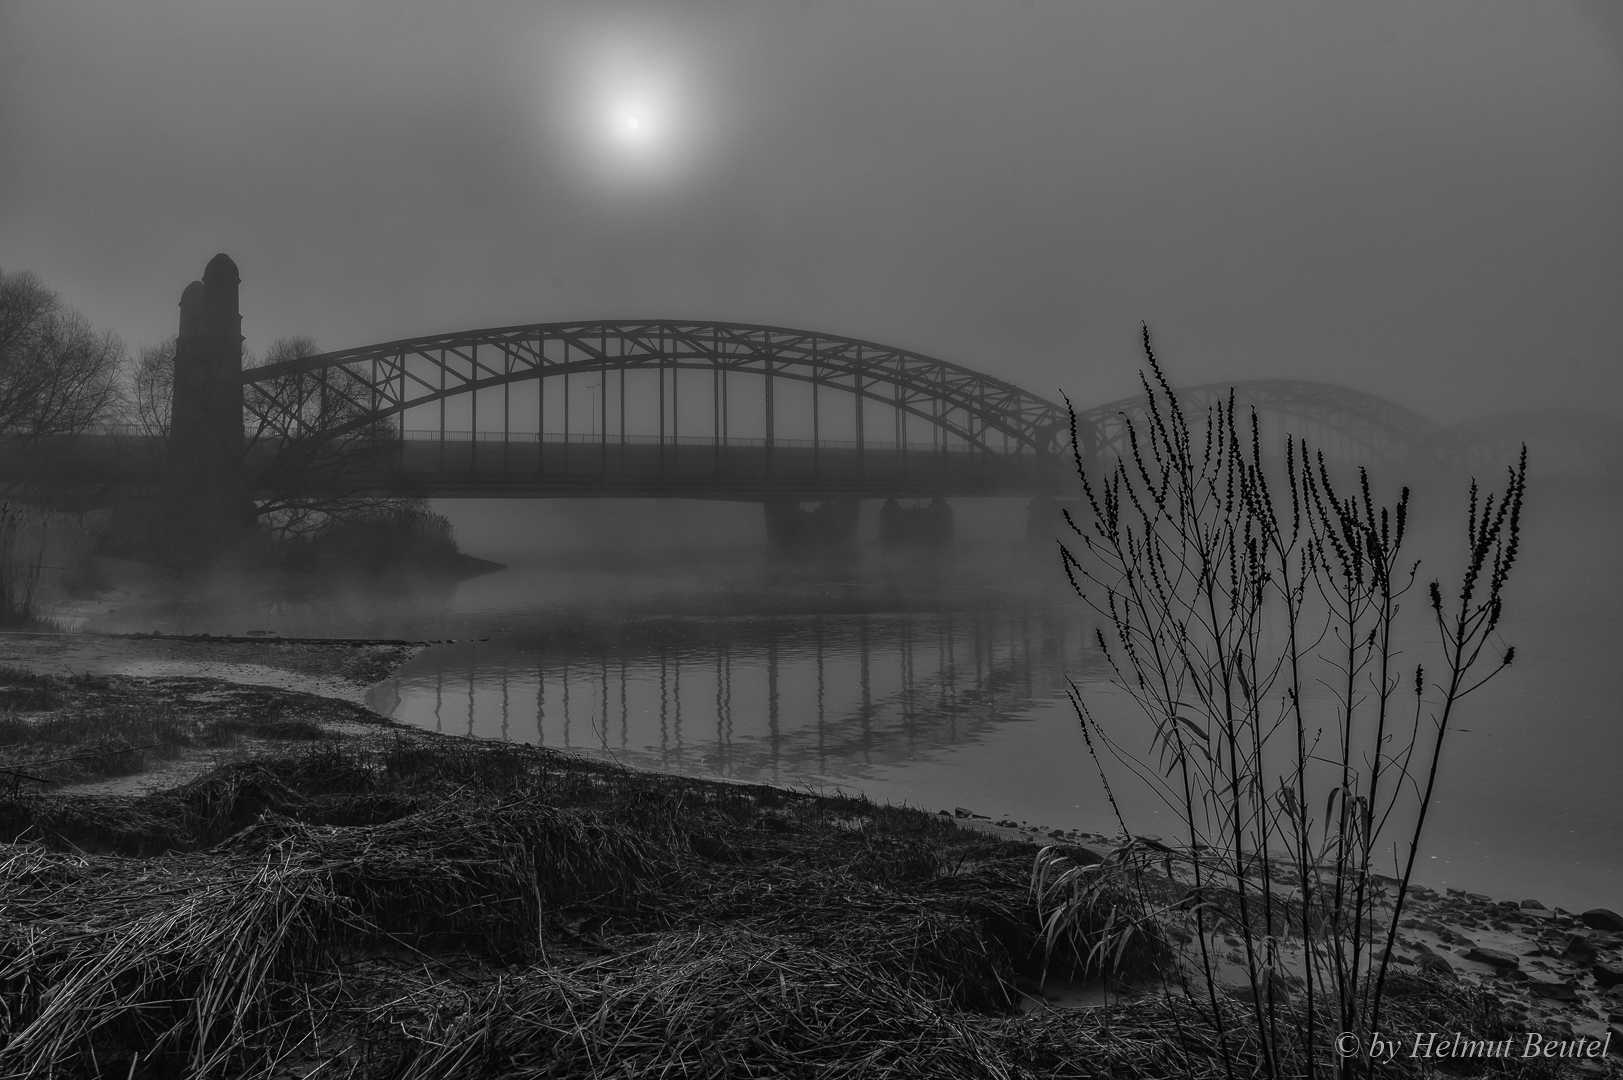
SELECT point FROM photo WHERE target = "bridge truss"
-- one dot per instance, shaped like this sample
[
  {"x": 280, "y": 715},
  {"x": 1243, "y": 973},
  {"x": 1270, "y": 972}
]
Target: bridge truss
[{"x": 963, "y": 409}]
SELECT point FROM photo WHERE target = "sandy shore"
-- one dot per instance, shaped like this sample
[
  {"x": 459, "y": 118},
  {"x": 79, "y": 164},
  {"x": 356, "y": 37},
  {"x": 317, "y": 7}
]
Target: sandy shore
[{"x": 337, "y": 669}]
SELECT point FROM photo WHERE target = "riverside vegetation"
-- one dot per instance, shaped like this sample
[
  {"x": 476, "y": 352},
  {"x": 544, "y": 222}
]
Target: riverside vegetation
[{"x": 1227, "y": 593}]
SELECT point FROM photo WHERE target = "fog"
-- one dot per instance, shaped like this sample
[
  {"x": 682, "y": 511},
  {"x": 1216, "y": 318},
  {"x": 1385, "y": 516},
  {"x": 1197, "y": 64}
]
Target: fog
[{"x": 1418, "y": 201}]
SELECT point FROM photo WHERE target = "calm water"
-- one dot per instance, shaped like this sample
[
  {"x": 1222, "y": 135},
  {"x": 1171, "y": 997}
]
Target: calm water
[{"x": 942, "y": 683}]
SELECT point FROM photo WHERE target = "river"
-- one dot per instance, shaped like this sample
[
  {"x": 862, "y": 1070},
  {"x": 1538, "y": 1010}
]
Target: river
[{"x": 663, "y": 636}]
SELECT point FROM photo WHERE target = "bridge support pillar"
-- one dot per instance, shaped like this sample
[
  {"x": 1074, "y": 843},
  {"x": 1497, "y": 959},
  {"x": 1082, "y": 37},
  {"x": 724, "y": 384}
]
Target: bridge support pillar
[
  {"x": 207, "y": 506},
  {"x": 831, "y": 526},
  {"x": 922, "y": 526}
]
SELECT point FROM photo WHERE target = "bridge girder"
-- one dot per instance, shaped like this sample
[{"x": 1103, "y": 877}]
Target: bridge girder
[{"x": 380, "y": 381}]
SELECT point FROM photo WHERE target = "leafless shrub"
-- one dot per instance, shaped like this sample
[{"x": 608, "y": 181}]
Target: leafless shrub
[{"x": 1227, "y": 594}]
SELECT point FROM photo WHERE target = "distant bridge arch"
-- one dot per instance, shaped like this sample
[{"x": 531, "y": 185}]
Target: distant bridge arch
[
  {"x": 1571, "y": 442},
  {"x": 1346, "y": 424}
]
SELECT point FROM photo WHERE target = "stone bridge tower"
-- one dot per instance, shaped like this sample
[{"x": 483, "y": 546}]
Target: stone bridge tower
[{"x": 208, "y": 507}]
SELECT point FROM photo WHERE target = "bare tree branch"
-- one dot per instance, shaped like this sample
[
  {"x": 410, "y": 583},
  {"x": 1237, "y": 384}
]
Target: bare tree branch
[
  {"x": 58, "y": 376},
  {"x": 304, "y": 478}
]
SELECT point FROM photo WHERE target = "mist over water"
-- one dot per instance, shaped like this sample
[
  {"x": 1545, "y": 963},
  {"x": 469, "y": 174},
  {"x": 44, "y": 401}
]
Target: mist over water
[
  {"x": 664, "y": 635},
  {"x": 674, "y": 642}
]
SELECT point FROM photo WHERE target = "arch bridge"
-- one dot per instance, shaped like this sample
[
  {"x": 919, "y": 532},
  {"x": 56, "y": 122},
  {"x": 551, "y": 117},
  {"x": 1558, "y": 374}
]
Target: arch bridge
[
  {"x": 683, "y": 409},
  {"x": 770, "y": 414},
  {"x": 663, "y": 408}
]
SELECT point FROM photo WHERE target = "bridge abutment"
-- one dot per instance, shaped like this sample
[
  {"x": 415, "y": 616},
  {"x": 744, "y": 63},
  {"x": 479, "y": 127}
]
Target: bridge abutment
[
  {"x": 830, "y": 526},
  {"x": 206, "y": 507}
]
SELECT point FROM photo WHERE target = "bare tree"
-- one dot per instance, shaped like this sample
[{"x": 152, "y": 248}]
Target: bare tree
[
  {"x": 151, "y": 388},
  {"x": 313, "y": 458},
  {"x": 58, "y": 376}
]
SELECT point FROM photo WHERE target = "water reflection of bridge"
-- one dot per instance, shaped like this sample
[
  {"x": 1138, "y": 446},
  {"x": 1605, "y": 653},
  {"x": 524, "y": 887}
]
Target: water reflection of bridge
[{"x": 756, "y": 699}]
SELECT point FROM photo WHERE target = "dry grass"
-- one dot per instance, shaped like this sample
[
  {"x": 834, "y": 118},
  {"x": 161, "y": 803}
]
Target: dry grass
[
  {"x": 63, "y": 730},
  {"x": 1154, "y": 1038},
  {"x": 103, "y": 958},
  {"x": 425, "y": 907},
  {"x": 710, "y": 1003},
  {"x": 24, "y": 691}
]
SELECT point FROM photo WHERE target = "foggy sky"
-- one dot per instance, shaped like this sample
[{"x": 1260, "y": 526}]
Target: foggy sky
[{"x": 1419, "y": 200}]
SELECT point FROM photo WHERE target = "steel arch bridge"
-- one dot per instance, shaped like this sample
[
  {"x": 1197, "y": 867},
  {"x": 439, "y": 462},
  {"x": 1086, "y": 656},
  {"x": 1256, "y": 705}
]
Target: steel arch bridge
[
  {"x": 1348, "y": 425},
  {"x": 473, "y": 416},
  {"x": 984, "y": 435}
]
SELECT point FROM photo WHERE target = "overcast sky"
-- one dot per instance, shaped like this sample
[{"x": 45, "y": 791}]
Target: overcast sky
[{"x": 1423, "y": 200}]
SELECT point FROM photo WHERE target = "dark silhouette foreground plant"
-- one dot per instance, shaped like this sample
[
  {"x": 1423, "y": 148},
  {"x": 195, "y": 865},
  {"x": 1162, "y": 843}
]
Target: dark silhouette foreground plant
[{"x": 1229, "y": 596}]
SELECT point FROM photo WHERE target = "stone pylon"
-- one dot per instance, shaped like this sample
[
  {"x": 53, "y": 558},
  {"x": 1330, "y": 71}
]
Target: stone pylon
[{"x": 208, "y": 506}]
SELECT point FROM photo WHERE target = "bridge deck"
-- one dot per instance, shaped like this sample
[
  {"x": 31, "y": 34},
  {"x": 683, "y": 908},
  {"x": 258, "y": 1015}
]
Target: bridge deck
[
  {"x": 587, "y": 467},
  {"x": 704, "y": 470}
]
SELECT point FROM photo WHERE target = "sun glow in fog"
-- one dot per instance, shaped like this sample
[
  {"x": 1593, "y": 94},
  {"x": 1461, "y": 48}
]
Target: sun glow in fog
[
  {"x": 639, "y": 97},
  {"x": 640, "y": 112},
  {"x": 636, "y": 125},
  {"x": 631, "y": 110}
]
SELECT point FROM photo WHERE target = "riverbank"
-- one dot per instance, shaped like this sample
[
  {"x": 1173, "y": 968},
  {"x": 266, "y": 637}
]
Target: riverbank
[
  {"x": 296, "y": 882},
  {"x": 118, "y": 595}
]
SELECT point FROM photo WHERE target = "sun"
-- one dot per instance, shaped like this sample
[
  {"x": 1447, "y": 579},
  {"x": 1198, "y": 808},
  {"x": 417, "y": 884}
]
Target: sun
[
  {"x": 638, "y": 110},
  {"x": 635, "y": 123}
]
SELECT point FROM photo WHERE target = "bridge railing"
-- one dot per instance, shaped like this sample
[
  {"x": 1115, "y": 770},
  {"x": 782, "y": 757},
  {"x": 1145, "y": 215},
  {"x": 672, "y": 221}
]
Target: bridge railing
[{"x": 614, "y": 439}]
